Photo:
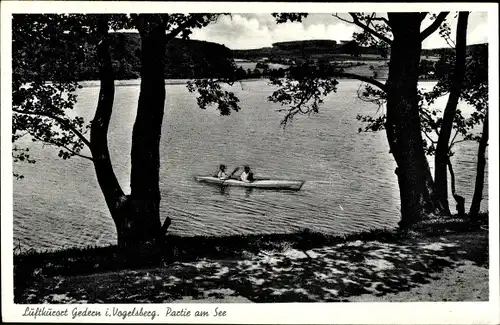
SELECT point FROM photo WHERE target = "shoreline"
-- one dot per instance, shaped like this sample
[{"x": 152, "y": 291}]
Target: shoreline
[
  {"x": 384, "y": 265},
  {"x": 137, "y": 82}
]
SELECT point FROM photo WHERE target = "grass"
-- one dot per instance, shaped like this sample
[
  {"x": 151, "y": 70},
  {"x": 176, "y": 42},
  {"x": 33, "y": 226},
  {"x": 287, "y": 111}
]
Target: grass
[
  {"x": 110, "y": 258},
  {"x": 35, "y": 266},
  {"x": 182, "y": 248}
]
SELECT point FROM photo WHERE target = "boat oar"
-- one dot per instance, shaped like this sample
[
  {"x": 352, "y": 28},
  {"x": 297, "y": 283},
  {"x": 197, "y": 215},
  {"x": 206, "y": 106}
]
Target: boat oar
[{"x": 231, "y": 175}]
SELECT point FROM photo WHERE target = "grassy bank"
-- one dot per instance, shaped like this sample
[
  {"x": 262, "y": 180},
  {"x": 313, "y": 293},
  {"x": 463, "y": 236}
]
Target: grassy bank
[{"x": 251, "y": 258}]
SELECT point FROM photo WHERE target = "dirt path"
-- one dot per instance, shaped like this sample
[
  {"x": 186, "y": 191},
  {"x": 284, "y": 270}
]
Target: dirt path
[
  {"x": 467, "y": 282},
  {"x": 451, "y": 268}
]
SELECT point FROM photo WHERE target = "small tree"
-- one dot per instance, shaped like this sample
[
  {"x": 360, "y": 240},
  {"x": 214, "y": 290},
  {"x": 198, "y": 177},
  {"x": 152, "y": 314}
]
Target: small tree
[
  {"x": 402, "y": 33},
  {"x": 481, "y": 165},
  {"x": 463, "y": 78},
  {"x": 442, "y": 147}
]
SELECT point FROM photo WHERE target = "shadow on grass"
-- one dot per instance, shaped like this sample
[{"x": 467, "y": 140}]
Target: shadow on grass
[{"x": 313, "y": 268}]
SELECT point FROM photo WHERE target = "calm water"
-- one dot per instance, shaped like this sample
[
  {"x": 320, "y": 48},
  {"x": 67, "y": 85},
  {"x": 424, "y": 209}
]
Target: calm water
[{"x": 350, "y": 183}]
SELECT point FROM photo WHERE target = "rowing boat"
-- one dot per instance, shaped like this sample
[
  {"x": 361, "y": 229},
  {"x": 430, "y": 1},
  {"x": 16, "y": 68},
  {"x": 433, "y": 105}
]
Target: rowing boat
[{"x": 277, "y": 184}]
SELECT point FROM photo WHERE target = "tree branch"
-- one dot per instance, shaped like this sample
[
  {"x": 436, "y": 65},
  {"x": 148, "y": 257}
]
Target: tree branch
[
  {"x": 366, "y": 28},
  {"x": 65, "y": 147},
  {"x": 434, "y": 26},
  {"x": 176, "y": 31},
  {"x": 385, "y": 20},
  {"x": 453, "y": 140},
  {"x": 428, "y": 137},
  {"x": 362, "y": 78},
  {"x": 458, "y": 141},
  {"x": 60, "y": 120},
  {"x": 342, "y": 19},
  {"x": 431, "y": 121},
  {"x": 78, "y": 154}
]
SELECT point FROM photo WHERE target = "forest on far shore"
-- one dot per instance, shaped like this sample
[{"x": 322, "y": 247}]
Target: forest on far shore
[{"x": 190, "y": 59}]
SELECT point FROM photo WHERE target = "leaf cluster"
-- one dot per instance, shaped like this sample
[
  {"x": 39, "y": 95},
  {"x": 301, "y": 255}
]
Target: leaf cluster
[
  {"x": 210, "y": 92},
  {"x": 49, "y": 53},
  {"x": 289, "y": 17},
  {"x": 303, "y": 88}
]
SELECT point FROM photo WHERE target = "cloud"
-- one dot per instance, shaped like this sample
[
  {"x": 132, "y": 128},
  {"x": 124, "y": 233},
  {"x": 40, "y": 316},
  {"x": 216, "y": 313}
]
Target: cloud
[
  {"x": 236, "y": 31},
  {"x": 297, "y": 31},
  {"x": 244, "y": 31},
  {"x": 249, "y": 30},
  {"x": 477, "y": 30}
]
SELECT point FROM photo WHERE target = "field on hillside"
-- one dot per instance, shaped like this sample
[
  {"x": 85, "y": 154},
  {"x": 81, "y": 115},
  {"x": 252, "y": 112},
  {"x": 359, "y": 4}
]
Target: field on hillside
[
  {"x": 365, "y": 65},
  {"x": 358, "y": 66}
]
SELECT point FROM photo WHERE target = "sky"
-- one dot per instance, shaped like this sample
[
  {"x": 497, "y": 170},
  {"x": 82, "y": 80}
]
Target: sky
[{"x": 256, "y": 30}]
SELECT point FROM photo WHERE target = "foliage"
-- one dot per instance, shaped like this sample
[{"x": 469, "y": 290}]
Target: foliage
[
  {"x": 52, "y": 52},
  {"x": 292, "y": 17},
  {"x": 211, "y": 93},
  {"x": 444, "y": 31},
  {"x": 474, "y": 92},
  {"x": 377, "y": 33},
  {"x": 186, "y": 59},
  {"x": 352, "y": 47},
  {"x": 307, "y": 82},
  {"x": 303, "y": 88},
  {"x": 475, "y": 86},
  {"x": 43, "y": 47}
]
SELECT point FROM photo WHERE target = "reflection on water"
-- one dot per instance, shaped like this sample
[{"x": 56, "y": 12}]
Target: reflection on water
[
  {"x": 350, "y": 181},
  {"x": 248, "y": 191}
]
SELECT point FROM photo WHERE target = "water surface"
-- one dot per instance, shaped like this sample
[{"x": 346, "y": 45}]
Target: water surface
[{"x": 350, "y": 181}]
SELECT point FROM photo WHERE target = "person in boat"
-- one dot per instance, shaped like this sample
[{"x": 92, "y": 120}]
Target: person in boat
[
  {"x": 247, "y": 175},
  {"x": 221, "y": 174}
]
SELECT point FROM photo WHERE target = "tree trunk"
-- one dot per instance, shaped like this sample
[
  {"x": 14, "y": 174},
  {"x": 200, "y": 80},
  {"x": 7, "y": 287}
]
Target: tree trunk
[
  {"x": 113, "y": 193},
  {"x": 481, "y": 165},
  {"x": 136, "y": 216},
  {"x": 403, "y": 120},
  {"x": 460, "y": 200},
  {"x": 144, "y": 201},
  {"x": 442, "y": 148}
]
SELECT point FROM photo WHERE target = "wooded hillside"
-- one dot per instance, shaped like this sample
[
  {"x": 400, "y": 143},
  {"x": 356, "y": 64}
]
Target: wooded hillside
[{"x": 183, "y": 59}]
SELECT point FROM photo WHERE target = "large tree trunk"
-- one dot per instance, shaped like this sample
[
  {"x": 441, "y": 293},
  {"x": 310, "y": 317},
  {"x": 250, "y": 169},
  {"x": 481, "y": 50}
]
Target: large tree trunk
[
  {"x": 481, "y": 165},
  {"x": 136, "y": 216},
  {"x": 403, "y": 120},
  {"x": 442, "y": 148},
  {"x": 144, "y": 208}
]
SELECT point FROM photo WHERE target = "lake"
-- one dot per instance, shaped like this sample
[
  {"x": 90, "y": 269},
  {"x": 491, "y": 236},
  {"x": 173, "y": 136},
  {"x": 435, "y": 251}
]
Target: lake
[{"x": 350, "y": 181}]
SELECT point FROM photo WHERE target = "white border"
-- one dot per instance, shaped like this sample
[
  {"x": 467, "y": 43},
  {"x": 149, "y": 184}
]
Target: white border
[{"x": 318, "y": 313}]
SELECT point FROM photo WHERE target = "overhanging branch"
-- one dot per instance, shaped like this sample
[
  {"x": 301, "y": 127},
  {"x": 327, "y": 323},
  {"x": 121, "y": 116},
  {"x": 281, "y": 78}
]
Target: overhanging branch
[
  {"x": 430, "y": 121},
  {"x": 60, "y": 120},
  {"x": 366, "y": 28},
  {"x": 434, "y": 26},
  {"x": 429, "y": 137},
  {"x": 67, "y": 148},
  {"x": 369, "y": 80},
  {"x": 176, "y": 31},
  {"x": 385, "y": 20}
]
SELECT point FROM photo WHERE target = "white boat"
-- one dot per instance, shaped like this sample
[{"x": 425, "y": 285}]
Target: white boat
[{"x": 276, "y": 184}]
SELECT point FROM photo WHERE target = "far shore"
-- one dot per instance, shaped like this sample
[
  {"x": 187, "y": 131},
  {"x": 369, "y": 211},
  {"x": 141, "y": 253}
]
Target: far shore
[{"x": 136, "y": 82}]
